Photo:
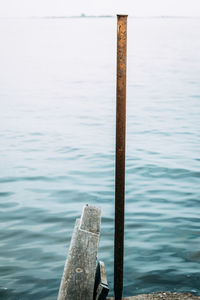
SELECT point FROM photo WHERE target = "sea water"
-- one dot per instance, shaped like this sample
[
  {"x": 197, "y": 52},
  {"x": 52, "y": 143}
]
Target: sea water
[{"x": 57, "y": 150}]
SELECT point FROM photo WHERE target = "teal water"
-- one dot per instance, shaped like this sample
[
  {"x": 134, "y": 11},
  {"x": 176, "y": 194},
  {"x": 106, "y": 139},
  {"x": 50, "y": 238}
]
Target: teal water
[{"x": 57, "y": 137}]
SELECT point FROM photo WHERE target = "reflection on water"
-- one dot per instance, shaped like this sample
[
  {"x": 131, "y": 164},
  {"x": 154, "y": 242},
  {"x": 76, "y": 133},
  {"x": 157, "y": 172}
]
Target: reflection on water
[{"x": 57, "y": 117}]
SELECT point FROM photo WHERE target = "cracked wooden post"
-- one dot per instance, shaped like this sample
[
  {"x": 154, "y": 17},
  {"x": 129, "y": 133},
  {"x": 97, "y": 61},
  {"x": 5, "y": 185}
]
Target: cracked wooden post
[{"x": 79, "y": 272}]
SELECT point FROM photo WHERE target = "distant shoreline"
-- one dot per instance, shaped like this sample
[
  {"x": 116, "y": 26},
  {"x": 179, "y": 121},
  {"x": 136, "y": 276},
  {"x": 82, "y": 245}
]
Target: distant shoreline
[{"x": 102, "y": 16}]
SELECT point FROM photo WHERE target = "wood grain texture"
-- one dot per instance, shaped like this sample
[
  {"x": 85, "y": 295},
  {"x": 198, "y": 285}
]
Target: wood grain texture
[
  {"x": 90, "y": 219},
  {"x": 79, "y": 273}
]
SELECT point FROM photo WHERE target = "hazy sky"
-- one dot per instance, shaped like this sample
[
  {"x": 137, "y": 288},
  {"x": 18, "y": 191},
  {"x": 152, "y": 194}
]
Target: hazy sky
[{"x": 97, "y": 7}]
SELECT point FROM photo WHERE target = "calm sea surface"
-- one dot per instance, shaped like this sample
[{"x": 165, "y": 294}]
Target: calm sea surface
[{"x": 57, "y": 140}]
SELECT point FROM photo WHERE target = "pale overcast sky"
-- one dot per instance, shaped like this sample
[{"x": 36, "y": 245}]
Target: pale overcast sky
[{"x": 99, "y": 7}]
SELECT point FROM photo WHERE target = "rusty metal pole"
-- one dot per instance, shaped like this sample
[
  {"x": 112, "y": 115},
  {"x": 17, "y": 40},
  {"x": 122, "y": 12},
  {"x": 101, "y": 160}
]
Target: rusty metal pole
[{"x": 120, "y": 155}]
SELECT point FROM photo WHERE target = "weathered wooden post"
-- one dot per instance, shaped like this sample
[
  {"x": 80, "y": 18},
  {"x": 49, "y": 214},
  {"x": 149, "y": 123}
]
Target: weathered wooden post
[
  {"x": 79, "y": 272},
  {"x": 120, "y": 155}
]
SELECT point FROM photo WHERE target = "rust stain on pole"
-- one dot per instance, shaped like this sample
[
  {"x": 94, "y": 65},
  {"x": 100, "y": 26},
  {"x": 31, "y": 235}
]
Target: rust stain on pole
[{"x": 120, "y": 155}]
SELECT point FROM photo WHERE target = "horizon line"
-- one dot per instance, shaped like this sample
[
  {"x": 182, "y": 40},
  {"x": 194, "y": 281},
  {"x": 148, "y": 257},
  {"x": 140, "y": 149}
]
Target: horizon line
[{"x": 82, "y": 16}]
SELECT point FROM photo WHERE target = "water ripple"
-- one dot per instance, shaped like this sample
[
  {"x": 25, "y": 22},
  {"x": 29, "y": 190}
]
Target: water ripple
[{"x": 58, "y": 147}]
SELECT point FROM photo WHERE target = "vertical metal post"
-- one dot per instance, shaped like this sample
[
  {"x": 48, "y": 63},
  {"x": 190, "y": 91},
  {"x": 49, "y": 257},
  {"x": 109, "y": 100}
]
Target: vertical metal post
[{"x": 120, "y": 155}]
